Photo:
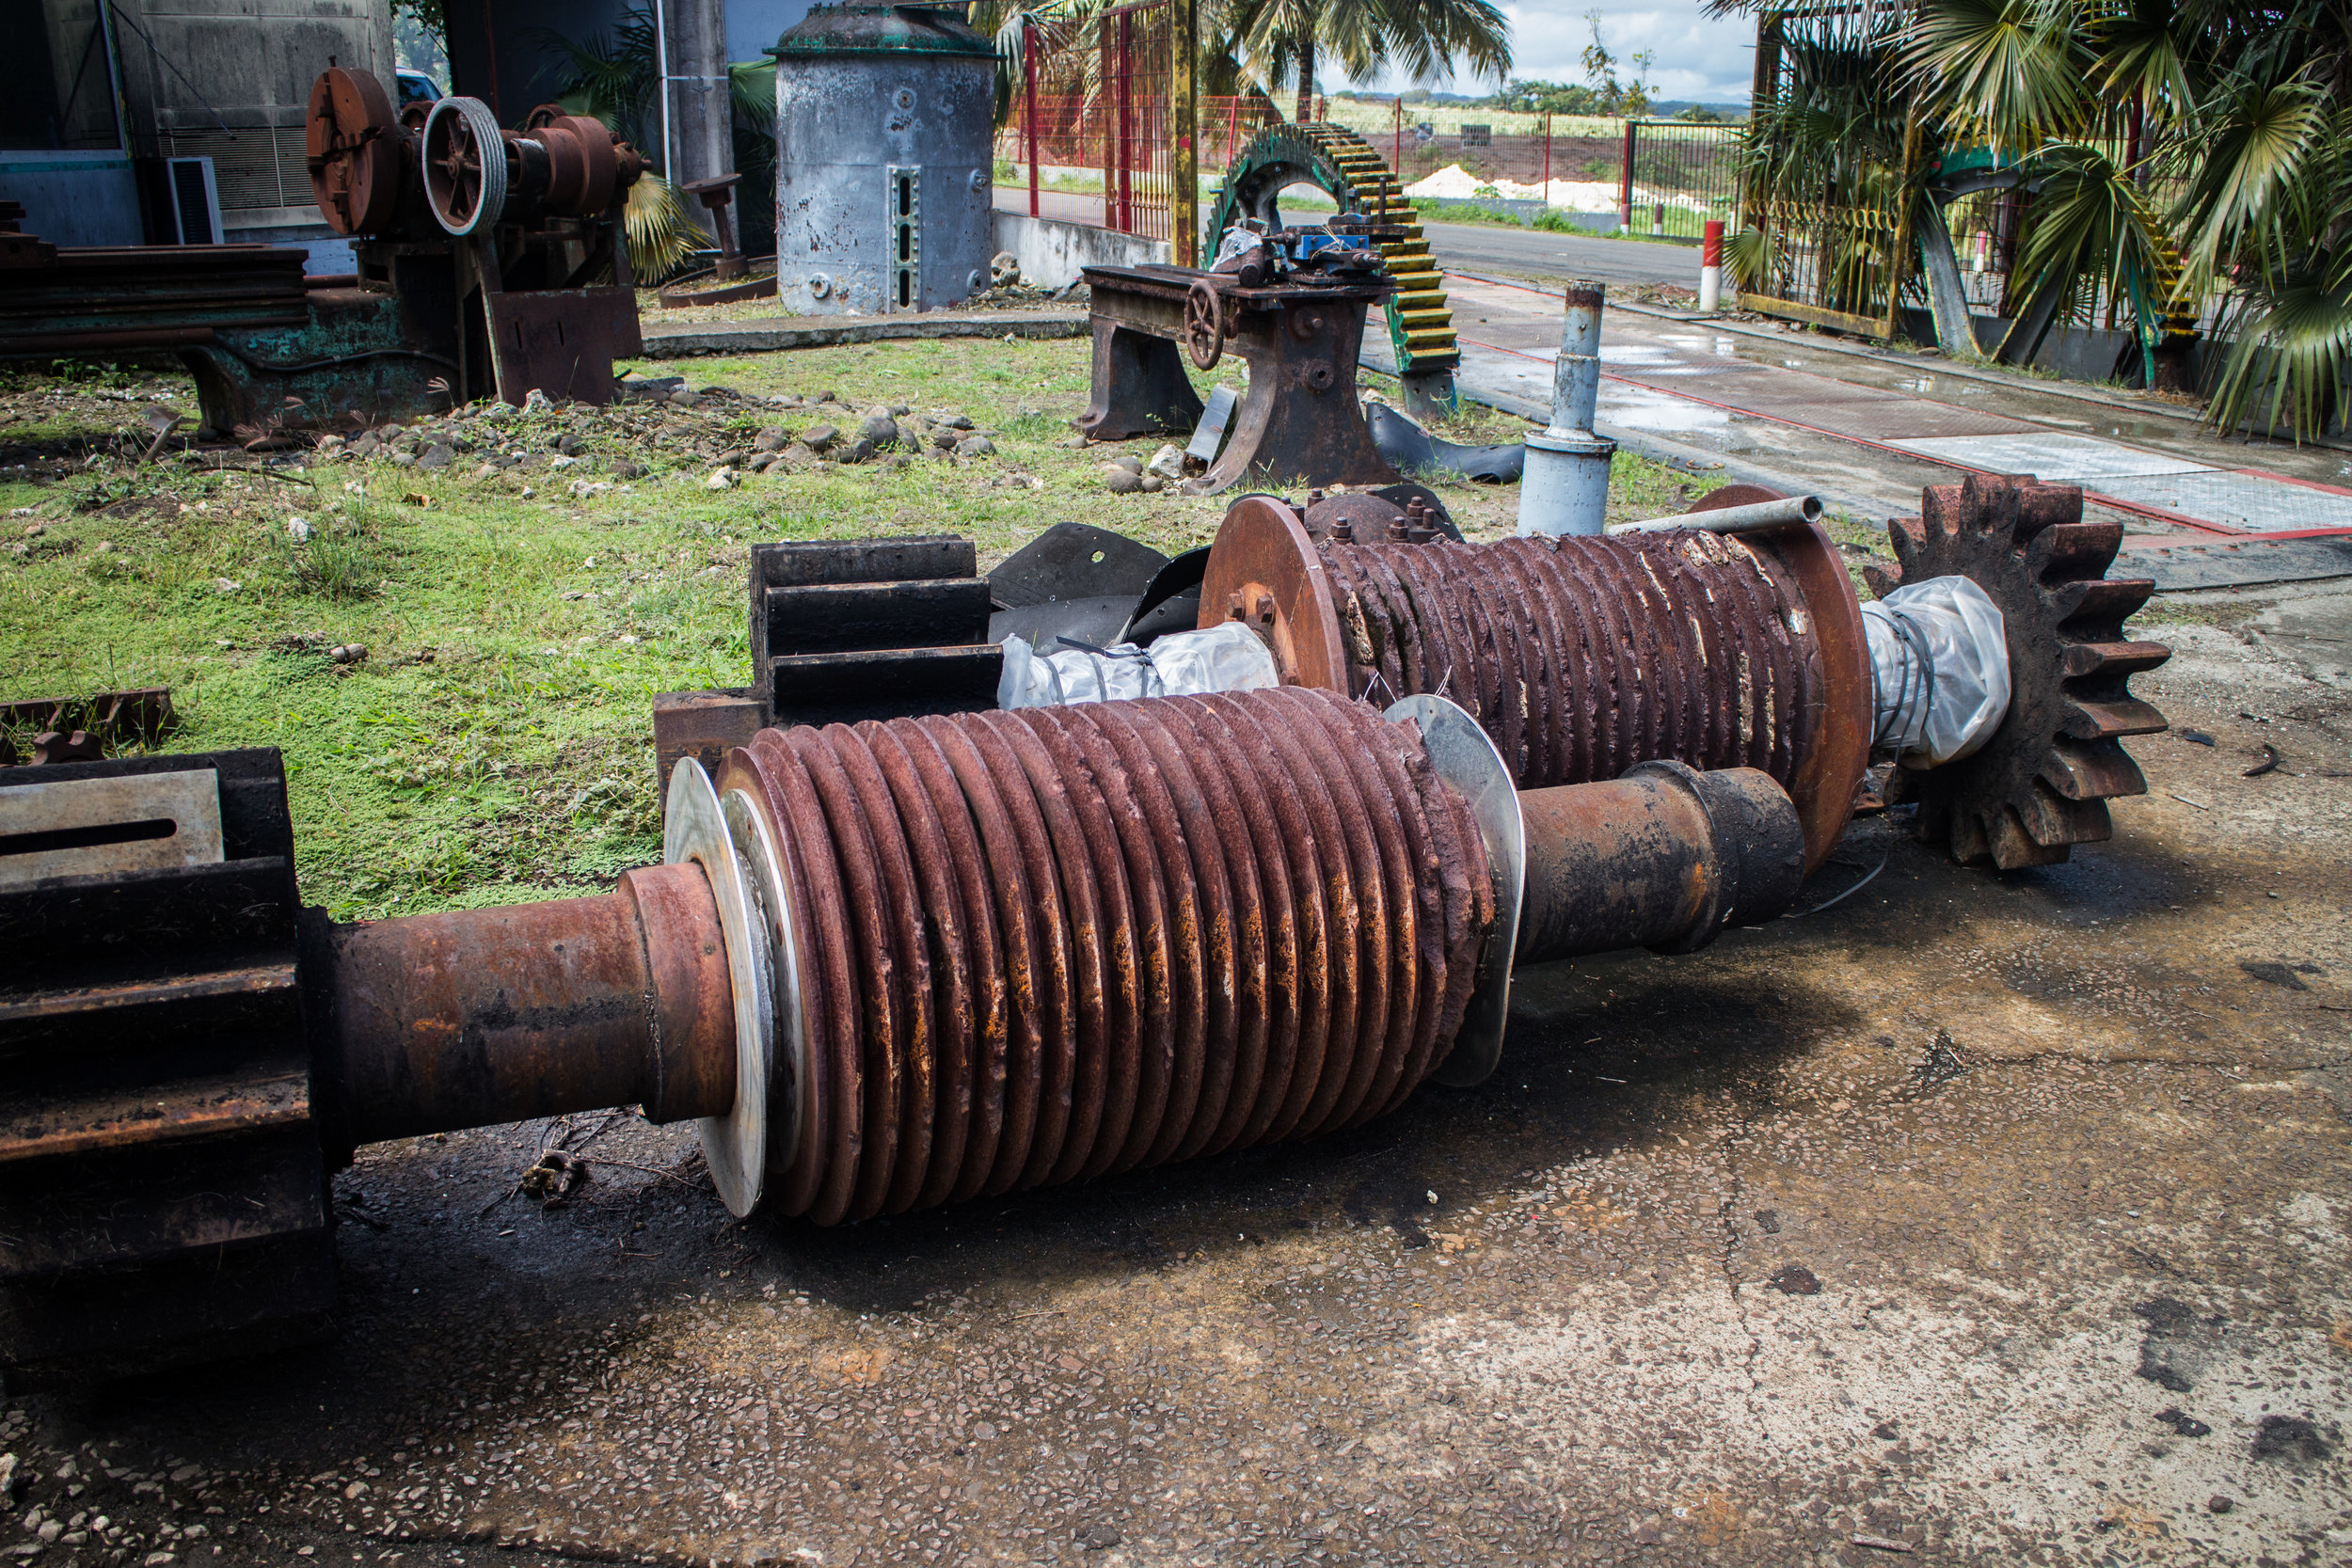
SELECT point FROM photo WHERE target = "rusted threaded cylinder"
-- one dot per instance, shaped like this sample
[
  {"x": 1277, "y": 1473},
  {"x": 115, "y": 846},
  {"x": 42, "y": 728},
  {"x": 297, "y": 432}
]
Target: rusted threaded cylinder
[
  {"x": 1049, "y": 944},
  {"x": 448, "y": 1021},
  {"x": 1580, "y": 658},
  {"x": 1663, "y": 857}
]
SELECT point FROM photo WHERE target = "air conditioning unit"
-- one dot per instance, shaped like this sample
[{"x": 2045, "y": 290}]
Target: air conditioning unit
[{"x": 194, "y": 201}]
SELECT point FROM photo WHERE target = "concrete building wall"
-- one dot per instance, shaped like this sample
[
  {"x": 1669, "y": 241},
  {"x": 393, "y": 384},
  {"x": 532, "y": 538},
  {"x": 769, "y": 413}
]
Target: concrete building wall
[
  {"x": 1051, "y": 253},
  {"x": 230, "y": 80}
]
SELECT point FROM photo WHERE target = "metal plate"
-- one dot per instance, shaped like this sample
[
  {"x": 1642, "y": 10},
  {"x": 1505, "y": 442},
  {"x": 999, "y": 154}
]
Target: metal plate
[
  {"x": 790, "y": 1071},
  {"x": 2252, "y": 503},
  {"x": 2051, "y": 458},
  {"x": 2218, "y": 564},
  {"x": 1467, "y": 759},
  {"x": 97, "y": 826},
  {"x": 695, "y": 828},
  {"x": 1075, "y": 560}
]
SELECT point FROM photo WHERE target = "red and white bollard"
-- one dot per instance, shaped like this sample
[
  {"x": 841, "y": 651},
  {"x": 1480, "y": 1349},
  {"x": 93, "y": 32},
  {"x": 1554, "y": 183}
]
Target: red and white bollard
[{"x": 1711, "y": 265}]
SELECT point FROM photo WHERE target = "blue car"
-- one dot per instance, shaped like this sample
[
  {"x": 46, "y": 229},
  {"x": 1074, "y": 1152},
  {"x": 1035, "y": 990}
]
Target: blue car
[{"x": 417, "y": 88}]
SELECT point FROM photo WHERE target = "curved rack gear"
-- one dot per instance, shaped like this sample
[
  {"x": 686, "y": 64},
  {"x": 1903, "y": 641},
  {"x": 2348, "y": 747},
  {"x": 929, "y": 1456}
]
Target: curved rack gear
[
  {"x": 1344, "y": 167},
  {"x": 2041, "y": 784}
]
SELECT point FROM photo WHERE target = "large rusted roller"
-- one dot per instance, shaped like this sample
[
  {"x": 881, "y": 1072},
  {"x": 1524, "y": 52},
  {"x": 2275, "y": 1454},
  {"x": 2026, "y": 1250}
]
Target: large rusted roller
[
  {"x": 1580, "y": 656},
  {"x": 1583, "y": 656},
  {"x": 887, "y": 966}
]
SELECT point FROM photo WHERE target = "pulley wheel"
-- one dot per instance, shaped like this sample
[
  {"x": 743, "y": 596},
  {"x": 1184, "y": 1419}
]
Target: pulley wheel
[
  {"x": 1205, "y": 323},
  {"x": 465, "y": 166},
  {"x": 351, "y": 144}
]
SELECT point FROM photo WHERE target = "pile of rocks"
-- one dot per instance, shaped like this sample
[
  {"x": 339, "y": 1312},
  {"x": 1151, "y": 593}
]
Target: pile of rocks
[
  {"x": 1128, "y": 475},
  {"x": 881, "y": 432}
]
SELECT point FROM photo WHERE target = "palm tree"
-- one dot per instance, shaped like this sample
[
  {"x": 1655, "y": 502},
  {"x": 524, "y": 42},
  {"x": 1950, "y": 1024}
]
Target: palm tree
[
  {"x": 1419, "y": 38},
  {"x": 2175, "y": 151},
  {"x": 2181, "y": 149},
  {"x": 615, "y": 78}
]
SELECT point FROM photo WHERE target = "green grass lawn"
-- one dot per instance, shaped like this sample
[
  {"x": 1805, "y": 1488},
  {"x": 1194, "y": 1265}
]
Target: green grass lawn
[{"x": 495, "y": 743}]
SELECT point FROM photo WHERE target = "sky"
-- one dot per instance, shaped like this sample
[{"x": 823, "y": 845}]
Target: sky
[{"x": 1699, "y": 57}]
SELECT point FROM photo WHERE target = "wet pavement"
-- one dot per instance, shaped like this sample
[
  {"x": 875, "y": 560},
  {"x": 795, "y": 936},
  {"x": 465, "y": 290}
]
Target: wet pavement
[{"x": 2002, "y": 1218}]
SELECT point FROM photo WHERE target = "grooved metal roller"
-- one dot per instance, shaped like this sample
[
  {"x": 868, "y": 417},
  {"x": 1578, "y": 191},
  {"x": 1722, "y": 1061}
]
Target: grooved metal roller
[{"x": 888, "y": 965}]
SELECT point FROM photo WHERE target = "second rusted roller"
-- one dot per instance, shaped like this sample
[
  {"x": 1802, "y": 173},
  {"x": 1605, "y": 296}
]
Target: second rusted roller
[{"x": 1580, "y": 656}]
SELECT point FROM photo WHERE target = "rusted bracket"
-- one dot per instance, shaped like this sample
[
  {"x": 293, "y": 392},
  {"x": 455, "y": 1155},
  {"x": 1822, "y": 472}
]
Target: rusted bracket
[{"x": 1300, "y": 421}]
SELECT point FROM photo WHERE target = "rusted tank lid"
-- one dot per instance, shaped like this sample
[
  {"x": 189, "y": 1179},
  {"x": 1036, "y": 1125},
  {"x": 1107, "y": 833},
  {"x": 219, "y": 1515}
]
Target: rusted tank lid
[{"x": 881, "y": 30}]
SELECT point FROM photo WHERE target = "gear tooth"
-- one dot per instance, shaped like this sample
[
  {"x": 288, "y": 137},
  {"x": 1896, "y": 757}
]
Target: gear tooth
[
  {"x": 1909, "y": 537},
  {"x": 2054, "y": 822},
  {"x": 2014, "y": 847},
  {"x": 2093, "y": 772},
  {"x": 2099, "y": 601},
  {"x": 2112, "y": 720},
  {"x": 2122, "y": 659},
  {"x": 2040, "y": 507},
  {"x": 1966, "y": 838},
  {"x": 2074, "y": 549},
  {"x": 1882, "y": 577},
  {"x": 1941, "y": 511}
]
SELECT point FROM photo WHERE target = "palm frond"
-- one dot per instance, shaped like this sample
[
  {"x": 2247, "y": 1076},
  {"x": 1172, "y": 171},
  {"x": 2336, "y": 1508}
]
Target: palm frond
[
  {"x": 2289, "y": 364},
  {"x": 2010, "y": 73},
  {"x": 661, "y": 234}
]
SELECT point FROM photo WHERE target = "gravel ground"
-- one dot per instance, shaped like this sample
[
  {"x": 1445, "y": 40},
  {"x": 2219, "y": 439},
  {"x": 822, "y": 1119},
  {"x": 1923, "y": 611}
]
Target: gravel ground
[{"x": 1980, "y": 1219}]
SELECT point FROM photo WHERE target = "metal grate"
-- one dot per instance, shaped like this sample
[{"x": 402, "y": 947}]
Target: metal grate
[{"x": 903, "y": 192}]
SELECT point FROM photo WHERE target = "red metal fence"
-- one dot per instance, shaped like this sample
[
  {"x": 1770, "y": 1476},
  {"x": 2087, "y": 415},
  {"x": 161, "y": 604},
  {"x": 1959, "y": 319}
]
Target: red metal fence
[{"x": 1092, "y": 130}]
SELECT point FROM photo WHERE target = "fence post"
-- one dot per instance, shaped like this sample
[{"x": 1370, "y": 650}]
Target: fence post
[
  {"x": 1625, "y": 184},
  {"x": 1028, "y": 102},
  {"x": 1103, "y": 33},
  {"x": 1126, "y": 122},
  {"x": 1547, "y": 157},
  {"x": 1397, "y": 160},
  {"x": 1184, "y": 202}
]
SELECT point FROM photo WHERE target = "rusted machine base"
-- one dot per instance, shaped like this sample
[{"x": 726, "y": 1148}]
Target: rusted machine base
[{"x": 1300, "y": 421}]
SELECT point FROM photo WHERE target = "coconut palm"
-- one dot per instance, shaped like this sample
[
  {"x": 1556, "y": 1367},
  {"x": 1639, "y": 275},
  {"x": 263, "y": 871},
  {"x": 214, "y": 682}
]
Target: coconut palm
[
  {"x": 2175, "y": 151},
  {"x": 1419, "y": 38}
]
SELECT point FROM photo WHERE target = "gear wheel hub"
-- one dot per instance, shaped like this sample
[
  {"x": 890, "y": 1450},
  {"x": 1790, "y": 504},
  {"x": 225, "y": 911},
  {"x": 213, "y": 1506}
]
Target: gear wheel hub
[{"x": 2041, "y": 784}]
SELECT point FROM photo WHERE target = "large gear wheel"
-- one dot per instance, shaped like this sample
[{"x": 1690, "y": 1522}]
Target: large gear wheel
[
  {"x": 1347, "y": 169},
  {"x": 2041, "y": 784}
]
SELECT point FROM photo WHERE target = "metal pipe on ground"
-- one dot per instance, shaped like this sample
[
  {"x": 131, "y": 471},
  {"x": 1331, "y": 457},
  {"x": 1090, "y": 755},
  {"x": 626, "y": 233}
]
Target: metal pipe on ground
[
  {"x": 1665, "y": 858},
  {"x": 440, "y": 1021},
  {"x": 1751, "y": 518}
]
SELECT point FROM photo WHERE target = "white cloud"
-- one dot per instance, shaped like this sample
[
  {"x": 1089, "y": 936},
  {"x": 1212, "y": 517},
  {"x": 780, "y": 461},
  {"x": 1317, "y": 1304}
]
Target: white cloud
[{"x": 1705, "y": 59}]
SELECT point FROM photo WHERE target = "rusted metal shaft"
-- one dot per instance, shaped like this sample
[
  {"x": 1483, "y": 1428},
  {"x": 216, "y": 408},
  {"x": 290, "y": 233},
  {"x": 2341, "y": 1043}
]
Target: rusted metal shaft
[
  {"x": 448, "y": 1021},
  {"x": 1583, "y": 657},
  {"x": 1663, "y": 857},
  {"x": 1045, "y": 946}
]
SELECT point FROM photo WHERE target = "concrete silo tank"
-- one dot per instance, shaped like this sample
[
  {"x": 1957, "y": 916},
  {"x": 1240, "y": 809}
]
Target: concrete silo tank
[{"x": 885, "y": 152}]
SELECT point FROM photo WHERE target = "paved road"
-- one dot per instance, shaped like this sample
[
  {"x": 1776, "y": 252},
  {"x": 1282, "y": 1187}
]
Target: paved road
[{"x": 1539, "y": 253}]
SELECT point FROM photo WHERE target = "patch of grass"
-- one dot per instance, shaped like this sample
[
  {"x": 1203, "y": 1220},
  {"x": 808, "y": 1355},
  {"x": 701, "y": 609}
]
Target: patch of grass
[
  {"x": 2168, "y": 610},
  {"x": 495, "y": 744}
]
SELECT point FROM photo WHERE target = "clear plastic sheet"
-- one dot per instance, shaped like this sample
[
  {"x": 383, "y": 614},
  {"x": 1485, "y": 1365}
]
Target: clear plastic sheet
[
  {"x": 1229, "y": 658},
  {"x": 1939, "y": 664}
]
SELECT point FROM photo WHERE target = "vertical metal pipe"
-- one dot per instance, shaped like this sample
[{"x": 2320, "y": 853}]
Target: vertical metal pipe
[
  {"x": 1625, "y": 182},
  {"x": 1565, "y": 488}
]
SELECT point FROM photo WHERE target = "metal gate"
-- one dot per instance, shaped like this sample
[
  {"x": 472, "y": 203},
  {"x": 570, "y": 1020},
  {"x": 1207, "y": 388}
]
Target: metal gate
[{"x": 1107, "y": 124}]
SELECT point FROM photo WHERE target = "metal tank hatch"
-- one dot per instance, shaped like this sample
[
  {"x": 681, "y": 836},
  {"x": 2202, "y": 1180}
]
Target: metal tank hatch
[{"x": 885, "y": 154}]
